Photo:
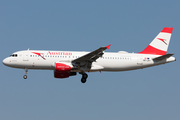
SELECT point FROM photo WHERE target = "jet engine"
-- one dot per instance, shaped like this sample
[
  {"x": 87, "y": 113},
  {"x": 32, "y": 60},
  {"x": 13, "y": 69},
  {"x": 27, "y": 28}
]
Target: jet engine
[
  {"x": 60, "y": 74},
  {"x": 62, "y": 70}
]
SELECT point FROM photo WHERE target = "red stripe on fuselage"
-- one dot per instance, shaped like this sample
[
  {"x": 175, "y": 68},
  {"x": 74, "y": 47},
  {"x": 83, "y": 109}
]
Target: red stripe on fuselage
[
  {"x": 167, "y": 30},
  {"x": 151, "y": 50}
]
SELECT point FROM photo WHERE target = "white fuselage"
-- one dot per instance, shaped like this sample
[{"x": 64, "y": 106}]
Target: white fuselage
[
  {"x": 68, "y": 63},
  {"x": 110, "y": 61}
]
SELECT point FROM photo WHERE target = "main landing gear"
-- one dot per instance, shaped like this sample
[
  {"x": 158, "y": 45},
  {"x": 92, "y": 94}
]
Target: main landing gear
[
  {"x": 25, "y": 76},
  {"x": 84, "y": 77}
]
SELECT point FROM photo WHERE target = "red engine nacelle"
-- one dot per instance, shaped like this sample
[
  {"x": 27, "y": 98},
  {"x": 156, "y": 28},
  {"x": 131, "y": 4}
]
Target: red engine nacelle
[
  {"x": 60, "y": 74},
  {"x": 62, "y": 67},
  {"x": 62, "y": 70}
]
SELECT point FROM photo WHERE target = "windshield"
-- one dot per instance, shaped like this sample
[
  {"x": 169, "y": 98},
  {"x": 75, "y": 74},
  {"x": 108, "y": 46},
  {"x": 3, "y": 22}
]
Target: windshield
[{"x": 13, "y": 55}]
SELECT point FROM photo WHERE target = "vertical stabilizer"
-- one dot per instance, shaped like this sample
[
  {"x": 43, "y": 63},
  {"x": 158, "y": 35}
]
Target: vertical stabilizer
[{"x": 159, "y": 45}]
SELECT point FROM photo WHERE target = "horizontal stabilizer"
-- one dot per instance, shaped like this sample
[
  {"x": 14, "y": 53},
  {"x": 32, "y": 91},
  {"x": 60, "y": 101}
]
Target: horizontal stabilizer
[{"x": 163, "y": 57}]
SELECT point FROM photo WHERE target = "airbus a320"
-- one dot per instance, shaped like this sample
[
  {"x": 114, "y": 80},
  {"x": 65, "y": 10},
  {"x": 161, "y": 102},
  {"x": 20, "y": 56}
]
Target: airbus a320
[{"x": 69, "y": 63}]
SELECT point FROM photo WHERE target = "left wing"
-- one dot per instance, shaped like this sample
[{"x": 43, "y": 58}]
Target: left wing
[{"x": 84, "y": 63}]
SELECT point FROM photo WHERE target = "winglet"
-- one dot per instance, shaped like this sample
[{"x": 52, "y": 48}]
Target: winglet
[{"x": 108, "y": 47}]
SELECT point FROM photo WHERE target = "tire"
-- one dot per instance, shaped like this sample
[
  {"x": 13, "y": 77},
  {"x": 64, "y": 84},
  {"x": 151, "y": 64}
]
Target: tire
[
  {"x": 83, "y": 80},
  {"x": 25, "y": 76},
  {"x": 85, "y": 75}
]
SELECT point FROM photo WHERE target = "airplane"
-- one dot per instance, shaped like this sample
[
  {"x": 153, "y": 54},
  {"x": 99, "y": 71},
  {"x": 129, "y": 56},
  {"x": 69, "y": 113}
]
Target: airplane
[{"x": 69, "y": 63}]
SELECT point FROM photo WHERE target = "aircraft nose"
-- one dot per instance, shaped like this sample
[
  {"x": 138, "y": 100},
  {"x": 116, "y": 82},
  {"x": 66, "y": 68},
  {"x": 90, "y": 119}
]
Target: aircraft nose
[{"x": 5, "y": 61}]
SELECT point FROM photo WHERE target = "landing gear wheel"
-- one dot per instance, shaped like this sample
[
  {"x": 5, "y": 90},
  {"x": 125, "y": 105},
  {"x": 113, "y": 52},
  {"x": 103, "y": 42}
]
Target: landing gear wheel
[
  {"x": 84, "y": 77},
  {"x": 83, "y": 80},
  {"x": 25, "y": 76}
]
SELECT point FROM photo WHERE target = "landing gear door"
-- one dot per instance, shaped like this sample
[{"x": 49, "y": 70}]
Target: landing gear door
[{"x": 26, "y": 55}]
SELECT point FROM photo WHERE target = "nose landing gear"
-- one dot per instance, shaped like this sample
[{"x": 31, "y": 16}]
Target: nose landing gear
[
  {"x": 84, "y": 77},
  {"x": 25, "y": 76}
]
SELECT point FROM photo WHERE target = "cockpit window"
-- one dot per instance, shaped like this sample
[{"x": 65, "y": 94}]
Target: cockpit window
[{"x": 13, "y": 55}]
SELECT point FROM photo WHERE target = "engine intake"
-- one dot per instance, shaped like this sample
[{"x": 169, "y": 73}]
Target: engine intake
[{"x": 62, "y": 70}]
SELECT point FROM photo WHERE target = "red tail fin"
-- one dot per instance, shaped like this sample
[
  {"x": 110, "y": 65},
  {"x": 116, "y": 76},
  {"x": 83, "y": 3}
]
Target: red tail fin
[{"x": 160, "y": 43}]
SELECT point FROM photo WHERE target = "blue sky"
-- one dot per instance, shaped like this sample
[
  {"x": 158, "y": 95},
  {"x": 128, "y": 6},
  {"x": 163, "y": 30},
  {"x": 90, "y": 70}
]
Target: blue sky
[{"x": 151, "y": 93}]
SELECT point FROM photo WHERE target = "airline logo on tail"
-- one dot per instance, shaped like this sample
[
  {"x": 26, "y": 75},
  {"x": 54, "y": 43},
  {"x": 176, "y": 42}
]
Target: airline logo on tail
[{"x": 163, "y": 40}]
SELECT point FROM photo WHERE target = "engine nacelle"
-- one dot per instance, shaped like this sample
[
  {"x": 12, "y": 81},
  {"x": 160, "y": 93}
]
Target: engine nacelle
[
  {"x": 60, "y": 74},
  {"x": 62, "y": 66},
  {"x": 62, "y": 70}
]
